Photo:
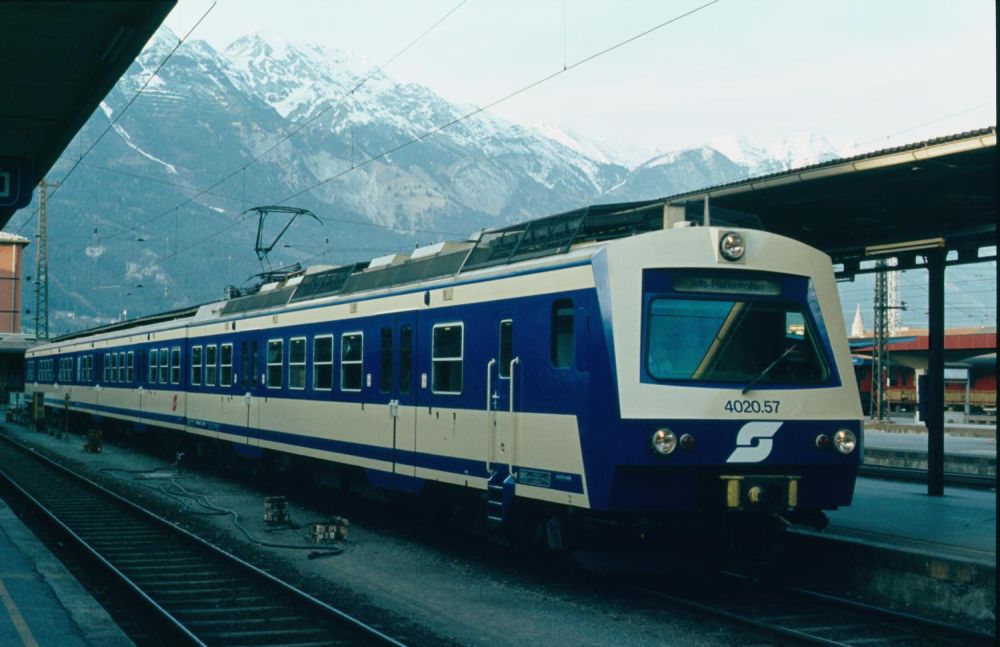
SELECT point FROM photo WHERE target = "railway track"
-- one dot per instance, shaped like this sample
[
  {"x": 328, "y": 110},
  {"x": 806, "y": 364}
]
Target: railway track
[
  {"x": 813, "y": 618},
  {"x": 193, "y": 592}
]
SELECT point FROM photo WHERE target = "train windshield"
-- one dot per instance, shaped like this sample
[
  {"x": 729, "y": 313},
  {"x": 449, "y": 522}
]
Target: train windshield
[{"x": 732, "y": 341}]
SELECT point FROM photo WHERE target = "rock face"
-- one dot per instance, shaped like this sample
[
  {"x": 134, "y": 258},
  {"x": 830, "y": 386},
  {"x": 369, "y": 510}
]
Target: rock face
[{"x": 152, "y": 217}]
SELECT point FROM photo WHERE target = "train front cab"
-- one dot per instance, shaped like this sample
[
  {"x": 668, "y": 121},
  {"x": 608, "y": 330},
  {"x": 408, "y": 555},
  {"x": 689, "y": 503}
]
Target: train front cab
[{"x": 735, "y": 386}]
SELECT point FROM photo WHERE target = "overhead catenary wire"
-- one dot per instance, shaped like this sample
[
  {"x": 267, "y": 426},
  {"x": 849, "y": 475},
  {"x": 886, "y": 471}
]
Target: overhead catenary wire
[
  {"x": 296, "y": 128},
  {"x": 496, "y": 102},
  {"x": 457, "y": 120}
]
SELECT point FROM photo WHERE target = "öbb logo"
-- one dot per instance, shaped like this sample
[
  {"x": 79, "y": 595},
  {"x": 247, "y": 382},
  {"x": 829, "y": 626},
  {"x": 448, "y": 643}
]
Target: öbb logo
[{"x": 753, "y": 443}]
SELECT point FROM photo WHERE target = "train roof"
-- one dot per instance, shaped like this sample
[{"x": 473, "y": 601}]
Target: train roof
[{"x": 534, "y": 239}]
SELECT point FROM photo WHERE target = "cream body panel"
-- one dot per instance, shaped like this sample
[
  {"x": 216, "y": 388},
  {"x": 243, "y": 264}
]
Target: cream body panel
[{"x": 696, "y": 247}]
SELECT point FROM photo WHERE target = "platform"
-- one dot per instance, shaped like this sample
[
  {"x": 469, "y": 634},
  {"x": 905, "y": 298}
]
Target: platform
[
  {"x": 40, "y": 602},
  {"x": 966, "y": 451},
  {"x": 962, "y": 523}
]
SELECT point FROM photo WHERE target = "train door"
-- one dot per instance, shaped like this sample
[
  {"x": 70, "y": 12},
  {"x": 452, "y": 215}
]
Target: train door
[
  {"x": 397, "y": 378},
  {"x": 502, "y": 376},
  {"x": 252, "y": 383}
]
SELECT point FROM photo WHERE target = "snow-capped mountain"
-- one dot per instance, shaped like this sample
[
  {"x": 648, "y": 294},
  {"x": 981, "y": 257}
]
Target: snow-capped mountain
[
  {"x": 785, "y": 152},
  {"x": 152, "y": 217}
]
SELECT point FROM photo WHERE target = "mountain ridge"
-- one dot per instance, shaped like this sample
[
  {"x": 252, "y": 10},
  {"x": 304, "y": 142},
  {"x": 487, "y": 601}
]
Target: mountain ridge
[{"x": 132, "y": 241}]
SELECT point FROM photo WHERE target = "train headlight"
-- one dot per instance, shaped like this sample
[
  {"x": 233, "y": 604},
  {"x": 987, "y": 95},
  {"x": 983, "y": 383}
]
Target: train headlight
[
  {"x": 822, "y": 441},
  {"x": 687, "y": 442},
  {"x": 664, "y": 441},
  {"x": 844, "y": 441},
  {"x": 732, "y": 246}
]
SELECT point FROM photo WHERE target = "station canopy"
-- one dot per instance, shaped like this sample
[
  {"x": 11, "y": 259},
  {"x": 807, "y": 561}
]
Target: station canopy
[
  {"x": 57, "y": 62},
  {"x": 939, "y": 193}
]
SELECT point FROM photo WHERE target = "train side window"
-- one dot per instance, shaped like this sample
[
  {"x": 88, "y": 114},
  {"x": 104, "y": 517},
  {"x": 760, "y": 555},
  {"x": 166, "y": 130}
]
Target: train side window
[
  {"x": 446, "y": 359},
  {"x": 562, "y": 333},
  {"x": 351, "y": 361},
  {"x": 29, "y": 373},
  {"x": 130, "y": 367},
  {"x": 323, "y": 363},
  {"x": 506, "y": 347},
  {"x": 152, "y": 366},
  {"x": 164, "y": 366},
  {"x": 226, "y": 365},
  {"x": 385, "y": 365},
  {"x": 275, "y": 360},
  {"x": 297, "y": 363},
  {"x": 121, "y": 367},
  {"x": 196, "y": 365},
  {"x": 210, "y": 371},
  {"x": 175, "y": 365},
  {"x": 405, "y": 359},
  {"x": 112, "y": 367}
]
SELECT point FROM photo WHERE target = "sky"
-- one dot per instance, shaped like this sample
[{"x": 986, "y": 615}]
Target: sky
[{"x": 873, "y": 73}]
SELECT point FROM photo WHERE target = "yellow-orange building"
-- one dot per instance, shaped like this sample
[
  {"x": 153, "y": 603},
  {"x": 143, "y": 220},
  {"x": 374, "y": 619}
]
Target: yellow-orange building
[{"x": 11, "y": 264}]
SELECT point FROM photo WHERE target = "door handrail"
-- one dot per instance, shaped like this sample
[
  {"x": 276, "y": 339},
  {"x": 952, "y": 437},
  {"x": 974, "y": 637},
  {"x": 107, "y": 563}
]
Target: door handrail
[
  {"x": 489, "y": 415},
  {"x": 513, "y": 418}
]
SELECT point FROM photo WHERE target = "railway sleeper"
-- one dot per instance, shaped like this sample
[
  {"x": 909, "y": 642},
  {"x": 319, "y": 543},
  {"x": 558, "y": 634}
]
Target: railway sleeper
[
  {"x": 275, "y": 623},
  {"x": 263, "y": 636},
  {"x": 154, "y": 566},
  {"x": 251, "y": 611},
  {"x": 150, "y": 579}
]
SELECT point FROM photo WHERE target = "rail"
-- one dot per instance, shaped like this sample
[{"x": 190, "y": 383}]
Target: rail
[
  {"x": 204, "y": 594},
  {"x": 809, "y": 616}
]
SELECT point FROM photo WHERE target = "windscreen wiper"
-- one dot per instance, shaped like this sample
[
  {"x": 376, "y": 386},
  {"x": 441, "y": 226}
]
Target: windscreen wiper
[{"x": 767, "y": 370}]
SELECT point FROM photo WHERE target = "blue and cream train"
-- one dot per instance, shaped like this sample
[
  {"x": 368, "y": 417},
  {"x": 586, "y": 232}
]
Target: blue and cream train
[{"x": 614, "y": 359}]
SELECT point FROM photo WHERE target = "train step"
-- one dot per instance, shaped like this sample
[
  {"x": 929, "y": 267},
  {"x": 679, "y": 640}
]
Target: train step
[{"x": 499, "y": 492}]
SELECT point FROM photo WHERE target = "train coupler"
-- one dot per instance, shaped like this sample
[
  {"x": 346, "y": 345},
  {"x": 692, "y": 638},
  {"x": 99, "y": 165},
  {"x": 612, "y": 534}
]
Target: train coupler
[{"x": 757, "y": 492}]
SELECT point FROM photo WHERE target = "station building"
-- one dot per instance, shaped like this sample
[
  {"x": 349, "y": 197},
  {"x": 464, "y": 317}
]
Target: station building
[{"x": 970, "y": 371}]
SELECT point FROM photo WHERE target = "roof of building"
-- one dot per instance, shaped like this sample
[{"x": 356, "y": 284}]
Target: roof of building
[
  {"x": 57, "y": 62},
  {"x": 938, "y": 192},
  {"x": 14, "y": 239}
]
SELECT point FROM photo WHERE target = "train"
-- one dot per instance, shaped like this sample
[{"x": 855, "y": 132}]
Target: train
[{"x": 615, "y": 363}]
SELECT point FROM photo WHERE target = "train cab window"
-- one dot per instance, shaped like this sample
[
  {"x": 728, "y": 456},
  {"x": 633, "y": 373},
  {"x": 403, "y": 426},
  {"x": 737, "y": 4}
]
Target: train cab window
[
  {"x": 297, "y": 363},
  {"x": 211, "y": 373},
  {"x": 506, "y": 347},
  {"x": 351, "y": 362},
  {"x": 130, "y": 367},
  {"x": 164, "y": 366},
  {"x": 196, "y": 366},
  {"x": 275, "y": 361},
  {"x": 323, "y": 363},
  {"x": 732, "y": 341},
  {"x": 562, "y": 333},
  {"x": 385, "y": 363},
  {"x": 121, "y": 367},
  {"x": 446, "y": 359},
  {"x": 152, "y": 366},
  {"x": 405, "y": 359},
  {"x": 175, "y": 365}
]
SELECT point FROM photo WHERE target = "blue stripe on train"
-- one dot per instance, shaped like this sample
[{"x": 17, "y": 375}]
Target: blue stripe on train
[{"x": 560, "y": 481}]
